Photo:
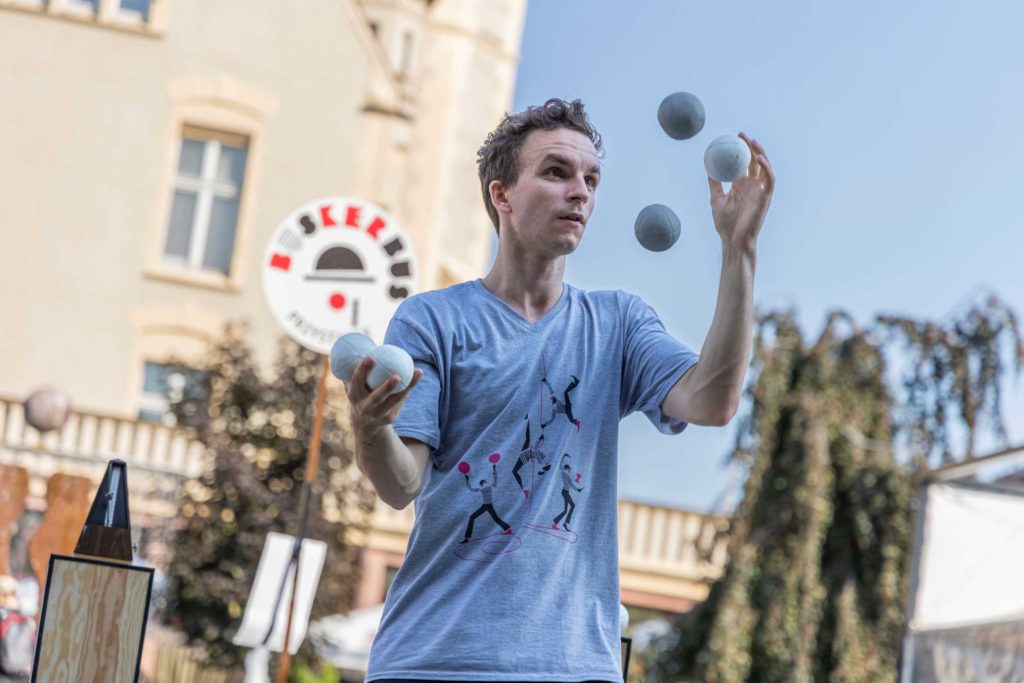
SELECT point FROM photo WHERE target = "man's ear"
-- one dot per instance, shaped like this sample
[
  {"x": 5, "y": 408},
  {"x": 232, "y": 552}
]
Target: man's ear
[{"x": 499, "y": 198}]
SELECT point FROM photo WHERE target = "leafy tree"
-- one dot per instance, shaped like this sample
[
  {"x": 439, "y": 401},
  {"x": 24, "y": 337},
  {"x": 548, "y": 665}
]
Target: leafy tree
[
  {"x": 257, "y": 432},
  {"x": 814, "y": 588}
]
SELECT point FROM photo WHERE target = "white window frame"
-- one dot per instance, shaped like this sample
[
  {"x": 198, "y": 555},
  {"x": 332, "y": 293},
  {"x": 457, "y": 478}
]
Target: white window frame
[
  {"x": 159, "y": 403},
  {"x": 133, "y": 15},
  {"x": 108, "y": 13},
  {"x": 206, "y": 187}
]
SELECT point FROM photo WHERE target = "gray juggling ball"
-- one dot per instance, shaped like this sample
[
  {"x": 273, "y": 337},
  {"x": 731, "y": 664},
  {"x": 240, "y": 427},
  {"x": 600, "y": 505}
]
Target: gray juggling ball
[
  {"x": 657, "y": 227},
  {"x": 727, "y": 158},
  {"x": 681, "y": 115},
  {"x": 348, "y": 351}
]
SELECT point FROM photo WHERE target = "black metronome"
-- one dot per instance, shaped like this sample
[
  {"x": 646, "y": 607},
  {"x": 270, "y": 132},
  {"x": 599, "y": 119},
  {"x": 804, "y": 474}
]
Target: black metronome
[
  {"x": 96, "y": 603},
  {"x": 108, "y": 528}
]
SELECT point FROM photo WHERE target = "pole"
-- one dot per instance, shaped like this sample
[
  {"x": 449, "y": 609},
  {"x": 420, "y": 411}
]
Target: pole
[{"x": 312, "y": 464}]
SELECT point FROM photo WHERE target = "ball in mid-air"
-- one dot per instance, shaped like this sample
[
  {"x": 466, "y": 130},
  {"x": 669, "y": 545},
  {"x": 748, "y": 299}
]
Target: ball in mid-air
[
  {"x": 390, "y": 360},
  {"x": 348, "y": 350},
  {"x": 726, "y": 158},
  {"x": 657, "y": 227},
  {"x": 681, "y": 115}
]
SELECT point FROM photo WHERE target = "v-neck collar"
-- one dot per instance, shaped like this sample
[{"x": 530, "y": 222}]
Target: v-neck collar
[{"x": 517, "y": 317}]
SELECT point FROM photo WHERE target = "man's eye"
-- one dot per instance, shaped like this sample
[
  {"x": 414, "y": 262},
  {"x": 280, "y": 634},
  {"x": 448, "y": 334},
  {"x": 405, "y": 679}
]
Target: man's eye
[
  {"x": 591, "y": 181},
  {"x": 555, "y": 171}
]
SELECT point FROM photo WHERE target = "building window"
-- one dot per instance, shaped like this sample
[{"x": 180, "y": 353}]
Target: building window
[
  {"x": 136, "y": 9},
  {"x": 162, "y": 385},
  {"x": 204, "y": 210}
]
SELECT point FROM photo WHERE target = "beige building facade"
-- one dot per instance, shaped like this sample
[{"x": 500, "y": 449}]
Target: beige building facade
[
  {"x": 150, "y": 148},
  {"x": 148, "y": 151}
]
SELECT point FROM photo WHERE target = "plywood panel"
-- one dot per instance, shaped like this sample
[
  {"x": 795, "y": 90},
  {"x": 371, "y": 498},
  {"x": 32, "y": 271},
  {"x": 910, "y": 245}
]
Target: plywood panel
[{"x": 93, "y": 622}]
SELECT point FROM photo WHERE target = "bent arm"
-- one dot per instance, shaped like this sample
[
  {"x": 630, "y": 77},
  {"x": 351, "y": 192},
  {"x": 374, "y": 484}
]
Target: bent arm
[
  {"x": 709, "y": 393},
  {"x": 395, "y": 466}
]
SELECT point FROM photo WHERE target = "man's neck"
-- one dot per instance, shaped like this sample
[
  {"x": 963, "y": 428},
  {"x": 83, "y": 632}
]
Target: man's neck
[{"x": 528, "y": 284}]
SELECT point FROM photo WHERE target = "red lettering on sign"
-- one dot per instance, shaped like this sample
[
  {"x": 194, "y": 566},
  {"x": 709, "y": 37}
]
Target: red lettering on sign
[
  {"x": 281, "y": 261},
  {"x": 376, "y": 226},
  {"x": 325, "y": 216},
  {"x": 352, "y": 217}
]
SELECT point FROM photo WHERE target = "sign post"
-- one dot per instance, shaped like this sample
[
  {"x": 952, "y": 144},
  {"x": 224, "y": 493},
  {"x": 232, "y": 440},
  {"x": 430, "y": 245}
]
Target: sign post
[{"x": 334, "y": 265}]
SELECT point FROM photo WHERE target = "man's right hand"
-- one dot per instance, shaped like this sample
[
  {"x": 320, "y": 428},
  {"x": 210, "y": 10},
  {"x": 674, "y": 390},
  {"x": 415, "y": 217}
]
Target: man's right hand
[
  {"x": 373, "y": 410},
  {"x": 395, "y": 466}
]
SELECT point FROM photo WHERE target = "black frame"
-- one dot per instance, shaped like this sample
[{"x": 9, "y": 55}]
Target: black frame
[{"x": 104, "y": 563}]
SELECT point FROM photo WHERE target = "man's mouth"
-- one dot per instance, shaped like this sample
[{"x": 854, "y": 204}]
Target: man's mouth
[{"x": 575, "y": 217}]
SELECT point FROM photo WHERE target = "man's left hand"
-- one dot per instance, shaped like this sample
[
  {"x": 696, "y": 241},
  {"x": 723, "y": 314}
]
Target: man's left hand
[{"x": 740, "y": 214}]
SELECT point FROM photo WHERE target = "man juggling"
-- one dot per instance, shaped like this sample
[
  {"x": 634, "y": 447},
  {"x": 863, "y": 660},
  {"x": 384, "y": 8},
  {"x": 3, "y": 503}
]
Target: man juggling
[{"x": 478, "y": 349}]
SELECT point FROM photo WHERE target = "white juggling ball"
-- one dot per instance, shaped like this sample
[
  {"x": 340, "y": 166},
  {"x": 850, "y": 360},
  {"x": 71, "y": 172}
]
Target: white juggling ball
[
  {"x": 681, "y": 115},
  {"x": 726, "y": 158},
  {"x": 390, "y": 360},
  {"x": 657, "y": 227},
  {"x": 348, "y": 350}
]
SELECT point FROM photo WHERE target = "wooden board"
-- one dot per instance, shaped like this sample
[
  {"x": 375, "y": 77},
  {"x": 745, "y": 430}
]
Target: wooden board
[{"x": 93, "y": 621}]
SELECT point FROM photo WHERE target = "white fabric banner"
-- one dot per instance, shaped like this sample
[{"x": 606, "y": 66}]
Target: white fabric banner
[
  {"x": 273, "y": 588},
  {"x": 971, "y": 559}
]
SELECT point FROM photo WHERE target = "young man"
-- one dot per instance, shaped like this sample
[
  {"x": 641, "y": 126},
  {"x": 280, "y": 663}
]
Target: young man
[{"x": 536, "y": 605}]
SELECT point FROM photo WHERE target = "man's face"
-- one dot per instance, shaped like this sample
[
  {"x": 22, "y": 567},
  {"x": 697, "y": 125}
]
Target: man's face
[{"x": 549, "y": 205}]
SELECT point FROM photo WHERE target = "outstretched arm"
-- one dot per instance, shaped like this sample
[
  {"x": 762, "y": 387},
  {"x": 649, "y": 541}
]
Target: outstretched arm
[{"x": 709, "y": 394}]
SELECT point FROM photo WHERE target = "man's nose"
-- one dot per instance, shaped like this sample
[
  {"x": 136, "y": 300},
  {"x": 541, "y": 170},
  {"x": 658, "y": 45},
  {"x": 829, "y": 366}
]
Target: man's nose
[{"x": 578, "y": 189}]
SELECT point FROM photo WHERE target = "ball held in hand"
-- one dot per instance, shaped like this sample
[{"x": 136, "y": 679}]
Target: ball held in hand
[
  {"x": 464, "y": 467},
  {"x": 657, "y": 227},
  {"x": 726, "y": 158},
  {"x": 681, "y": 115},
  {"x": 390, "y": 360},
  {"x": 347, "y": 352}
]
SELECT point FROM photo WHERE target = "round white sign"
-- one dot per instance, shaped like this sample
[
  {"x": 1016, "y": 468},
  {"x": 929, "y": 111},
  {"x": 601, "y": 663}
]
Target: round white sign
[{"x": 337, "y": 265}]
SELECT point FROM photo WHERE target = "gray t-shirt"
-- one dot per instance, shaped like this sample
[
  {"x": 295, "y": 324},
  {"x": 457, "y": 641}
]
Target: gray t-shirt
[{"x": 524, "y": 586}]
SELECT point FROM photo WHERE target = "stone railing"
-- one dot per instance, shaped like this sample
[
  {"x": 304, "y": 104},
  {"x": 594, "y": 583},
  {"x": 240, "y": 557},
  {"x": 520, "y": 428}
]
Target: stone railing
[
  {"x": 159, "y": 458},
  {"x": 669, "y": 541}
]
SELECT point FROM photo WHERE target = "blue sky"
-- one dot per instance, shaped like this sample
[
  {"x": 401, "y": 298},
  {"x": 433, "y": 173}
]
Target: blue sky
[{"x": 894, "y": 130}]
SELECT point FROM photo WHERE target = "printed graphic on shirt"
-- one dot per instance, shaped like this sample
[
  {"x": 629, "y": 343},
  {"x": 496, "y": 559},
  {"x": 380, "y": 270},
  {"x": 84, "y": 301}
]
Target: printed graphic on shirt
[
  {"x": 530, "y": 453},
  {"x": 547, "y": 508},
  {"x": 485, "y": 548},
  {"x": 563, "y": 407}
]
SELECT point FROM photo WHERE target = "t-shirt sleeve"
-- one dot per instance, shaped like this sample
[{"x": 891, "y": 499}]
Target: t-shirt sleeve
[
  {"x": 653, "y": 361},
  {"x": 420, "y": 417}
]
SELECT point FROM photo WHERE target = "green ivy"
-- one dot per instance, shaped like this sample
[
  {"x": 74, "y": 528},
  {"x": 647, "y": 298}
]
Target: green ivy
[{"x": 815, "y": 584}]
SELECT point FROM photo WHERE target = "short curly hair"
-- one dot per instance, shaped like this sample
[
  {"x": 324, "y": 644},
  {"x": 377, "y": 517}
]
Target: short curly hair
[{"x": 498, "y": 159}]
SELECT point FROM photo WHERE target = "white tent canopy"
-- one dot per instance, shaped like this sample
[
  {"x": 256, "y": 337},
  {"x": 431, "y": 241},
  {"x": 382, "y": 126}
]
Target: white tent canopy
[{"x": 971, "y": 557}]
